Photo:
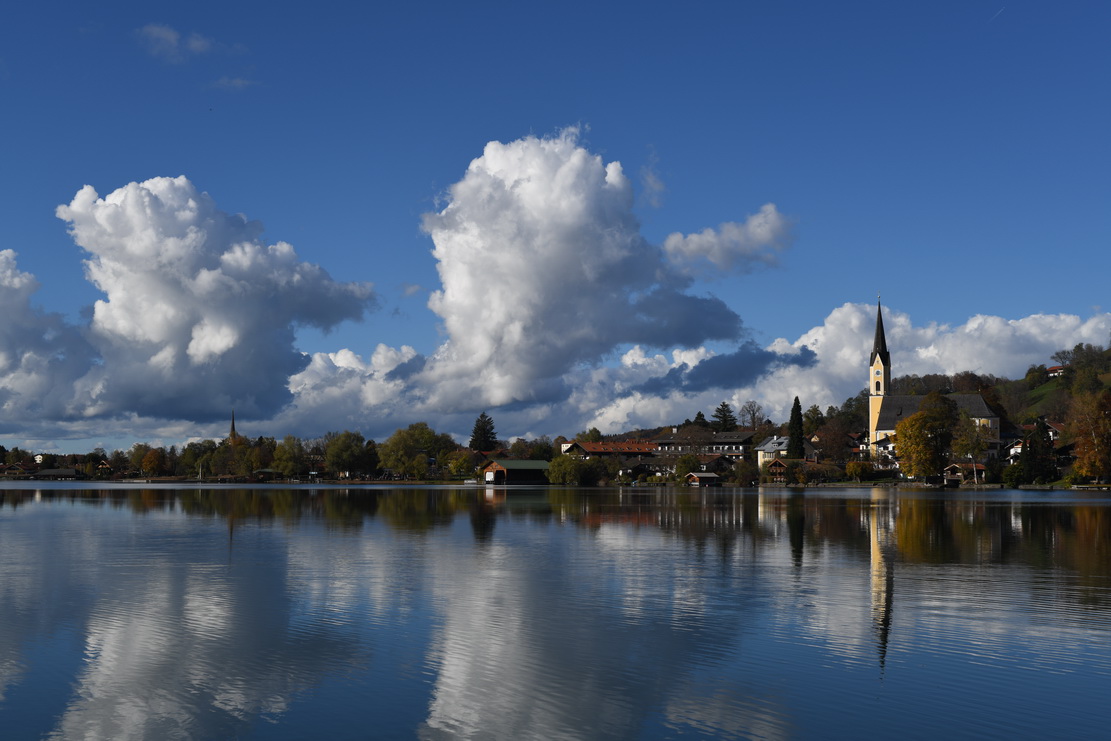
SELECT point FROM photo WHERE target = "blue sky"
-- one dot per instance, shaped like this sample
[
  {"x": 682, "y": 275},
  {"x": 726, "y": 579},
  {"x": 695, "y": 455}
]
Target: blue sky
[{"x": 951, "y": 155}]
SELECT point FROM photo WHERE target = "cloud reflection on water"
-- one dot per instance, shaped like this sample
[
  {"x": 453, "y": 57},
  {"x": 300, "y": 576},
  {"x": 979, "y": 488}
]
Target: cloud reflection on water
[{"x": 208, "y": 614}]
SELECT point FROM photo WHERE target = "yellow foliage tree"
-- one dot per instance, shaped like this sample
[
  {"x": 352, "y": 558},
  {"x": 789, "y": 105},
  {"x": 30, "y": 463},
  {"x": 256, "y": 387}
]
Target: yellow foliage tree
[{"x": 1090, "y": 425}]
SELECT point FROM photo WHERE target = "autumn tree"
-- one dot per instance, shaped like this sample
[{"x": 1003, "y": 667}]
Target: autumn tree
[
  {"x": 153, "y": 462},
  {"x": 724, "y": 418},
  {"x": 923, "y": 438},
  {"x": 695, "y": 438},
  {"x": 834, "y": 442},
  {"x": 136, "y": 454},
  {"x": 967, "y": 382},
  {"x": 752, "y": 414},
  {"x": 483, "y": 436},
  {"x": 859, "y": 470},
  {"x": 919, "y": 452},
  {"x": 1089, "y": 424}
]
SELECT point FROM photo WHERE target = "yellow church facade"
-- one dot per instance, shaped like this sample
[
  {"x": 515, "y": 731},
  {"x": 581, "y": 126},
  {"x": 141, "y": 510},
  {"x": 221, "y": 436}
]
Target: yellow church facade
[{"x": 886, "y": 410}]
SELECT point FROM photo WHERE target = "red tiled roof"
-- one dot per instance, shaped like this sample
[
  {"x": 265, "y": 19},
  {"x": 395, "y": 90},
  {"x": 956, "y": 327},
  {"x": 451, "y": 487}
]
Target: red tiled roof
[{"x": 626, "y": 446}]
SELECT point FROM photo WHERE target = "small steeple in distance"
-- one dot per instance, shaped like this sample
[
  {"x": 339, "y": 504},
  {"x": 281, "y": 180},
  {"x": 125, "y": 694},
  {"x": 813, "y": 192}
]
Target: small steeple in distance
[{"x": 232, "y": 435}]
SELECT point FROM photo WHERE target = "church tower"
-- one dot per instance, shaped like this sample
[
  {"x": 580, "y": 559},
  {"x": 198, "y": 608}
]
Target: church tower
[
  {"x": 879, "y": 375},
  {"x": 233, "y": 436}
]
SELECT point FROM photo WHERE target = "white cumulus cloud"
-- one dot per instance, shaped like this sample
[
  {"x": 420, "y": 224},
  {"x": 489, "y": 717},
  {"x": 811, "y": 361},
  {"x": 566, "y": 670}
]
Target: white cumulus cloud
[
  {"x": 744, "y": 246},
  {"x": 40, "y": 355},
  {"x": 543, "y": 269},
  {"x": 199, "y": 313}
]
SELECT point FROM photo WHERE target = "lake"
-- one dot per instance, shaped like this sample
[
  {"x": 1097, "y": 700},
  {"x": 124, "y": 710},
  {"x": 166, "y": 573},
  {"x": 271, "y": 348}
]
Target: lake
[{"x": 139, "y": 612}]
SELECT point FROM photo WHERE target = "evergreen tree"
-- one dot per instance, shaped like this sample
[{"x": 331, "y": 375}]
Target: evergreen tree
[
  {"x": 483, "y": 436},
  {"x": 700, "y": 420},
  {"x": 724, "y": 419},
  {"x": 795, "y": 447}
]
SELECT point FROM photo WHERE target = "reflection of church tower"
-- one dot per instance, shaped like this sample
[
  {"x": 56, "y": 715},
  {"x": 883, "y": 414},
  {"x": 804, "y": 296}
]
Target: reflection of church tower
[
  {"x": 883, "y": 573},
  {"x": 879, "y": 376}
]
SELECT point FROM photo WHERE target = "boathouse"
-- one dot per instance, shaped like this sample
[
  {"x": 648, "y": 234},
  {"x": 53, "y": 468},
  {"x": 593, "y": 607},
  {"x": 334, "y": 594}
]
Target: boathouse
[{"x": 510, "y": 471}]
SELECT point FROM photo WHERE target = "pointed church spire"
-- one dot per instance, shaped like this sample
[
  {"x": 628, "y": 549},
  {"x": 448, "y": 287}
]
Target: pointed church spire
[
  {"x": 232, "y": 435},
  {"x": 879, "y": 344},
  {"x": 879, "y": 376}
]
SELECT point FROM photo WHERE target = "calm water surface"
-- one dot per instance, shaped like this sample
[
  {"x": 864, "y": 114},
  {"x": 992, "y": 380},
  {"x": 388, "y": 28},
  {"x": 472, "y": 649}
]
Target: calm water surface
[{"x": 216, "y": 613}]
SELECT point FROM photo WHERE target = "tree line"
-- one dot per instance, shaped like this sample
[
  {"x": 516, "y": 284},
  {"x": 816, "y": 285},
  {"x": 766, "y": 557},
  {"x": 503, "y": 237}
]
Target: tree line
[{"x": 1077, "y": 393}]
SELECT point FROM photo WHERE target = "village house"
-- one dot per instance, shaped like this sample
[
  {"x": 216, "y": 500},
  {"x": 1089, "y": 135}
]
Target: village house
[
  {"x": 1056, "y": 429},
  {"x": 776, "y": 447},
  {"x": 736, "y": 444},
  {"x": 777, "y": 471}
]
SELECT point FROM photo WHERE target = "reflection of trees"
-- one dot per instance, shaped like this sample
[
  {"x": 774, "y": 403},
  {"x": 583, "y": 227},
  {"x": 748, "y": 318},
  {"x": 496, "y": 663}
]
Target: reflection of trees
[
  {"x": 1076, "y": 539},
  {"x": 928, "y": 528},
  {"x": 419, "y": 510},
  {"x": 483, "y": 519}
]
